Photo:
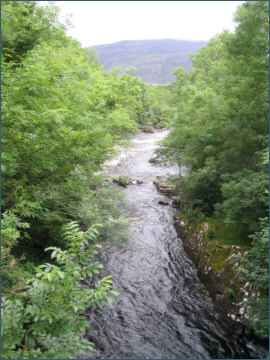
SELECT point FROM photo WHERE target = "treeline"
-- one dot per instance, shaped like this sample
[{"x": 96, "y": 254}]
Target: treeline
[
  {"x": 221, "y": 134},
  {"x": 62, "y": 116}
]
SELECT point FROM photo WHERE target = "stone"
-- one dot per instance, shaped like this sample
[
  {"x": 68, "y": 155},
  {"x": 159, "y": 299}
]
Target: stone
[
  {"x": 147, "y": 129},
  {"x": 136, "y": 182},
  {"x": 176, "y": 203},
  {"x": 152, "y": 160},
  {"x": 161, "y": 202},
  {"x": 159, "y": 126},
  {"x": 241, "y": 311},
  {"x": 163, "y": 187},
  {"x": 124, "y": 181}
]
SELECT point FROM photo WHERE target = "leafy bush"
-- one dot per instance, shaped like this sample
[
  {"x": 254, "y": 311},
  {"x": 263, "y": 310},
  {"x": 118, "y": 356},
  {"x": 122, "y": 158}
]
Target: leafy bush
[
  {"x": 161, "y": 109},
  {"x": 256, "y": 270},
  {"x": 12, "y": 274},
  {"x": 245, "y": 199},
  {"x": 46, "y": 321}
]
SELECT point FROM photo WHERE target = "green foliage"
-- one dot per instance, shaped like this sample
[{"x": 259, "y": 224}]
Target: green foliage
[
  {"x": 131, "y": 94},
  {"x": 256, "y": 269},
  {"x": 9, "y": 232},
  {"x": 246, "y": 199},
  {"x": 224, "y": 233},
  {"x": 24, "y": 25},
  {"x": 47, "y": 321},
  {"x": 12, "y": 274},
  {"x": 221, "y": 127},
  {"x": 161, "y": 110},
  {"x": 62, "y": 116},
  {"x": 220, "y": 133}
]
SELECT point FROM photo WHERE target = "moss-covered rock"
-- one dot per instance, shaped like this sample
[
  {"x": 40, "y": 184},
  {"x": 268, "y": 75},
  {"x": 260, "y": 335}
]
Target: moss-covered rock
[
  {"x": 218, "y": 268},
  {"x": 124, "y": 181},
  {"x": 147, "y": 128},
  {"x": 164, "y": 186}
]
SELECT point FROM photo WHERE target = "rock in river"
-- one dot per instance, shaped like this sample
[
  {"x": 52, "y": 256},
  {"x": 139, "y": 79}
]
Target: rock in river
[
  {"x": 161, "y": 202},
  {"x": 163, "y": 187},
  {"x": 124, "y": 181},
  {"x": 147, "y": 129}
]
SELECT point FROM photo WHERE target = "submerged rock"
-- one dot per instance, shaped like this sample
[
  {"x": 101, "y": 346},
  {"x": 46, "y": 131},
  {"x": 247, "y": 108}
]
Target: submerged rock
[{"x": 136, "y": 182}]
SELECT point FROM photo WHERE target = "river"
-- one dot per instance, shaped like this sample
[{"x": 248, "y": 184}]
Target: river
[{"x": 162, "y": 312}]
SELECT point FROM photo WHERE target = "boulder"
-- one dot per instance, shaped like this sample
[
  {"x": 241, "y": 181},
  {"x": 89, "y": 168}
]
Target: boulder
[
  {"x": 163, "y": 187},
  {"x": 153, "y": 160},
  {"x": 124, "y": 181},
  {"x": 147, "y": 129}
]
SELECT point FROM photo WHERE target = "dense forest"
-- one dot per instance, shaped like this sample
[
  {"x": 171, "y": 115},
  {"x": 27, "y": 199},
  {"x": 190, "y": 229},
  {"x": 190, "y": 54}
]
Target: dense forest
[{"x": 62, "y": 117}]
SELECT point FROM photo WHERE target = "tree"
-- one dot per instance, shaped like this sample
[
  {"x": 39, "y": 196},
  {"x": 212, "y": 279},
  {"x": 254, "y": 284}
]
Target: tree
[
  {"x": 221, "y": 133},
  {"x": 24, "y": 25}
]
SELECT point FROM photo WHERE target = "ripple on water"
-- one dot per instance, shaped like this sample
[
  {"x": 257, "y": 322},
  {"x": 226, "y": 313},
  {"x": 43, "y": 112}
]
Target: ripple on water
[{"x": 162, "y": 312}]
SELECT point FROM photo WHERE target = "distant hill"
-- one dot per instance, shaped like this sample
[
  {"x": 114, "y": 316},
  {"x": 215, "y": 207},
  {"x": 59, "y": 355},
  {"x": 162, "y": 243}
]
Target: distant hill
[{"x": 155, "y": 60}]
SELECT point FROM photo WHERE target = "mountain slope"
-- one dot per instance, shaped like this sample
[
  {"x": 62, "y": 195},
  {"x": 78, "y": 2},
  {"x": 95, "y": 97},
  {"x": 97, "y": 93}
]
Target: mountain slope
[{"x": 155, "y": 60}]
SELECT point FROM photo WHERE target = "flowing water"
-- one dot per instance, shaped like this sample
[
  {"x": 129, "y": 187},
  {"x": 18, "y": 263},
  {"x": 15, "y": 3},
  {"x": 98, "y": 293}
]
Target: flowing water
[{"x": 162, "y": 312}]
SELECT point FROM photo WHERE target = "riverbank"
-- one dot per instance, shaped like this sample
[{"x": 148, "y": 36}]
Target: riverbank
[{"x": 218, "y": 269}]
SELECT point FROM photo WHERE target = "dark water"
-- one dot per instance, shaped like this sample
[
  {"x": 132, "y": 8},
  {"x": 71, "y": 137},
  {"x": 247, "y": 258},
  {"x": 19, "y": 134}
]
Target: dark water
[{"x": 162, "y": 312}]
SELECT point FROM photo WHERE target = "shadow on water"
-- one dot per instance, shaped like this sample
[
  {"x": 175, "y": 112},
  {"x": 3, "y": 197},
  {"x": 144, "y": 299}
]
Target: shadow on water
[{"x": 162, "y": 312}]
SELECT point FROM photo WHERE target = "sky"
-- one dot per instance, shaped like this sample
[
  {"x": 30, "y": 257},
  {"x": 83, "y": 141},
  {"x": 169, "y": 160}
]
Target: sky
[{"x": 104, "y": 22}]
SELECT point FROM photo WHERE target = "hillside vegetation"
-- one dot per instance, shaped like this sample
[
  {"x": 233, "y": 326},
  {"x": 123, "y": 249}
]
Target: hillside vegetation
[{"x": 154, "y": 60}]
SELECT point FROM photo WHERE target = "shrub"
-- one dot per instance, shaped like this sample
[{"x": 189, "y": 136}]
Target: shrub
[{"x": 46, "y": 321}]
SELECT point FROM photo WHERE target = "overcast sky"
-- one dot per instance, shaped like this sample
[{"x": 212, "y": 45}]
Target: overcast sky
[{"x": 103, "y": 22}]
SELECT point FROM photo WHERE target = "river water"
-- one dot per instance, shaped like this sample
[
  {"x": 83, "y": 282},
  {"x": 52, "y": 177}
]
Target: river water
[{"x": 162, "y": 312}]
